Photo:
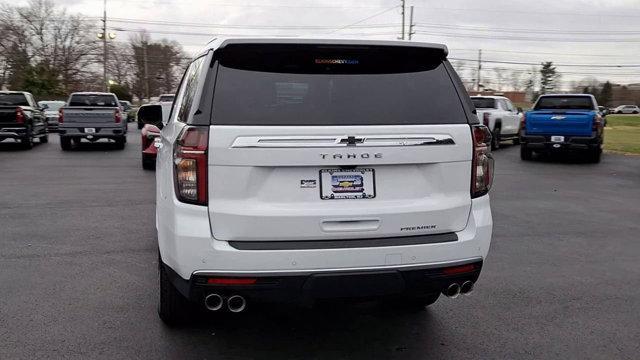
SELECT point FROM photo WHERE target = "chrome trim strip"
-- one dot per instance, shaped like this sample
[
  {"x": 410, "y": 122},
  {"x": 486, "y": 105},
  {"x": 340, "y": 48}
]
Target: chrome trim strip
[
  {"x": 342, "y": 141},
  {"x": 316, "y": 271}
]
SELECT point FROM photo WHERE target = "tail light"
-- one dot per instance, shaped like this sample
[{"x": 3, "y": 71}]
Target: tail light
[
  {"x": 60, "y": 116},
  {"x": 485, "y": 119},
  {"x": 482, "y": 162},
  {"x": 118, "y": 116},
  {"x": 597, "y": 123},
  {"x": 190, "y": 165},
  {"x": 19, "y": 116},
  {"x": 523, "y": 121}
]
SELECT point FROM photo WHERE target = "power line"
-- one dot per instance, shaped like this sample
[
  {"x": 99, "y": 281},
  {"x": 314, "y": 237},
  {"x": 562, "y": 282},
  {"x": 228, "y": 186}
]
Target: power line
[
  {"x": 365, "y": 19},
  {"x": 575, "y": 65},
  {"x": 523, "y": 38},
  {"x": 539, "y": 52},
  {"x": 529, "y": 30},
  {"x": 244, "y": 26}
]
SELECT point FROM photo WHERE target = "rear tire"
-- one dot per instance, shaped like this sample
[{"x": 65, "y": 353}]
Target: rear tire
[
  {"x": 120, "y": 143},
  {"x": 595, "y": 155},
  {"x": 525, "y": 154},
  {"x": 27, "y": 141},
  {"x": 65, "y": 143},
  {"x": 173, "y": 308},
  {"x": 495, "y": 139},
  {"x": 140, "y": 126},
  {"x": 148, "y": 164}
]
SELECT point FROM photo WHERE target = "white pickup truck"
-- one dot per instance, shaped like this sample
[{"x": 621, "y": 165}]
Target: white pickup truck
[
  {"x": 92, "y": 116},
  {"x": 500, "y": 116}
]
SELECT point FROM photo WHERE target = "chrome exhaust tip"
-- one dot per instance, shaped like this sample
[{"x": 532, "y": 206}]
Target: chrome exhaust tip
[
  {"x": 466, "y": 288},
  {"x": 213, "y": 302},
  {"x": 453, "y": 291},
  {"x": 236, "y": 304}
]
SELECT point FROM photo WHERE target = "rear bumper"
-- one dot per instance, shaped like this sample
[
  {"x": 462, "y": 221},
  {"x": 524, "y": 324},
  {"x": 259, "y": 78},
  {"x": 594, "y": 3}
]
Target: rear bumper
[
  {"x": 52, "y": 124},
  {"x": 544, "y": 143},
  {"x": 101, "y": 132},
  {"x": 12, "y": 132},
  {"x": 189, "y": 250},
  {"x": 305, "y": 287}
]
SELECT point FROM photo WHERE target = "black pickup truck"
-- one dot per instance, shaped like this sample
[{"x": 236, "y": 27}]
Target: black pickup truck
[{"x": 21, "y": 119}]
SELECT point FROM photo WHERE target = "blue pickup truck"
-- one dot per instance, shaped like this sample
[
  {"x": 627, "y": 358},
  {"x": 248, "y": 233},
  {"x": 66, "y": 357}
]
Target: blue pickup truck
[{"x": 563, "y": 122}]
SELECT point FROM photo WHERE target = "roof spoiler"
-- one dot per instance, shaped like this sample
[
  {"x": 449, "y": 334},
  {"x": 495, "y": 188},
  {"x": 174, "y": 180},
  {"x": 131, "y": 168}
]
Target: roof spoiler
[{"x": 339, "y": 42}]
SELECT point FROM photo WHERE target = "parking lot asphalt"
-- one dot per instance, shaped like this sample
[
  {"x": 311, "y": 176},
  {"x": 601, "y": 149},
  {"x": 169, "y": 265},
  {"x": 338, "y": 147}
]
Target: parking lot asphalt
[{"x": 78, "y": 272}]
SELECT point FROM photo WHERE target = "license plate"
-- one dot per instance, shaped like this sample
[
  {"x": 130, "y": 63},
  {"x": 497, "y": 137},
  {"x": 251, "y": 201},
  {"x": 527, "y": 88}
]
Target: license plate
[
  {"x": 347, "y": 184},
  {"x": 90, "y": 130},
  {"x": 557, "y": 139}
]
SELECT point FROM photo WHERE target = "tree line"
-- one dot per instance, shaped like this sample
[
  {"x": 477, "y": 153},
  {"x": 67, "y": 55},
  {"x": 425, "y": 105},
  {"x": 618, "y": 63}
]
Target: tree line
[{"x": 50, "y": 53}]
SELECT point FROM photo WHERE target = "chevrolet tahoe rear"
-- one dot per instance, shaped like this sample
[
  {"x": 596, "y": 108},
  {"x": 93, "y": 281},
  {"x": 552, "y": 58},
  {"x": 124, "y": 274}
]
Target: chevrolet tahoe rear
[{"x": 304, "y": 170}]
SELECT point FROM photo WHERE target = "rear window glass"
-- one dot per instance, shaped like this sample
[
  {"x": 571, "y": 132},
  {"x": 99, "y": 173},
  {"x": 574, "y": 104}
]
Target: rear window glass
[
  {"x": 334, "y": 85},
  {"x": 93, "y": 100},
  {"x": 52, "y": 105},
  {"x": 13, "y": 99},
  {"x": 565, "y": 103},
  {"x": 484, "y": 103}
]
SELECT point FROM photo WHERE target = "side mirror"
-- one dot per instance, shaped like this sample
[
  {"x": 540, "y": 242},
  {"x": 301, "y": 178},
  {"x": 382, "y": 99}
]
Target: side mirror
[
  {"x": 151, "y": 114},
  {"x": 520, "y": 111}
]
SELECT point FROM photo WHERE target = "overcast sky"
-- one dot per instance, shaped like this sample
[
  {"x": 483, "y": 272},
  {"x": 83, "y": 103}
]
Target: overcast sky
[{"x": 568, "y": 32}]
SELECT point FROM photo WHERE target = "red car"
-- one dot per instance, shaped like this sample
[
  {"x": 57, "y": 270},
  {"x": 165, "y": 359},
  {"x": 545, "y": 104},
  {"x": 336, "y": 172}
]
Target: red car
[
  {"x": 149, "y": 151},
  {"x": 149, "y": 115}
]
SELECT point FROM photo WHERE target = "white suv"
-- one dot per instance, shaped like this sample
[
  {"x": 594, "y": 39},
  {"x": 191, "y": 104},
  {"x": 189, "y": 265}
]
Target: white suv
[{"x": 299, "y": 170}]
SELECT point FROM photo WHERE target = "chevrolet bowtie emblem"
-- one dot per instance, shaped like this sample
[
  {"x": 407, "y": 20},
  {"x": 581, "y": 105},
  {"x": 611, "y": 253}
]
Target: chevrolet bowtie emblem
[{"x": 351, "y": 141}]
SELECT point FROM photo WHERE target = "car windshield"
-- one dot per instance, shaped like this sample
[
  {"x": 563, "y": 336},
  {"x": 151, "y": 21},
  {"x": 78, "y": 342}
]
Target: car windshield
[
  {"x": 52, "y": 105},
  {"x": 564, "y": 103},
  {"x": 13, "y": 99},
  {"x": 484, "y": 103},
  {"x": 166, "y": 98},
  {"x": 93, "y": 100}
]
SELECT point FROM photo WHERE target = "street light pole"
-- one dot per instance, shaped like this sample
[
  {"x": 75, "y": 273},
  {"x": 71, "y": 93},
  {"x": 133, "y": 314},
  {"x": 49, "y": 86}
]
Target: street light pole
[{"x": 104, "y": 47}]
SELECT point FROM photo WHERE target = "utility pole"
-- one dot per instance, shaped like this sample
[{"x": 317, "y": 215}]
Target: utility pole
[
  {"x": 411, "y": 32},
  {"x": 402, "y": 32},
  {"x": 104, "y": 47},
  {"x": 479, "y": 70},
  {"x": 146, "y": 70}
]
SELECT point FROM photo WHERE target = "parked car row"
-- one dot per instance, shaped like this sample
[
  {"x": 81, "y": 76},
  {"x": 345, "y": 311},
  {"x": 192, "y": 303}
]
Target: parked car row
[{"x": 85, "y": 116}]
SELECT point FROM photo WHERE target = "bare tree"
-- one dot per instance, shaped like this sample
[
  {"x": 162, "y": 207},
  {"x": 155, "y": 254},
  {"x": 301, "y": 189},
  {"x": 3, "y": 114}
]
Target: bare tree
[
  {"x": 14, "y": 47},
  {"x": 500, "y": 77},
  {"x": 121, "y": 66},
  {"x": 516, "y": 80},
  {"x": 158, "y": 65},
  {"x": 63, "y": 43}
]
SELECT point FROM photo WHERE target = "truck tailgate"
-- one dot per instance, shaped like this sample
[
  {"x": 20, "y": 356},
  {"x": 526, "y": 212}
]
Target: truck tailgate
[
  {"x": 89, "y": 115},
  {"x": 571, "y": 123}
]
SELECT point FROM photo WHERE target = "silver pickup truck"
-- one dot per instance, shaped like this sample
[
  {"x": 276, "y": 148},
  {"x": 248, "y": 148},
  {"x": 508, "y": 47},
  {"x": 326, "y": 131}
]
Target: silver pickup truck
[{"x": 92, "y": 116}]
